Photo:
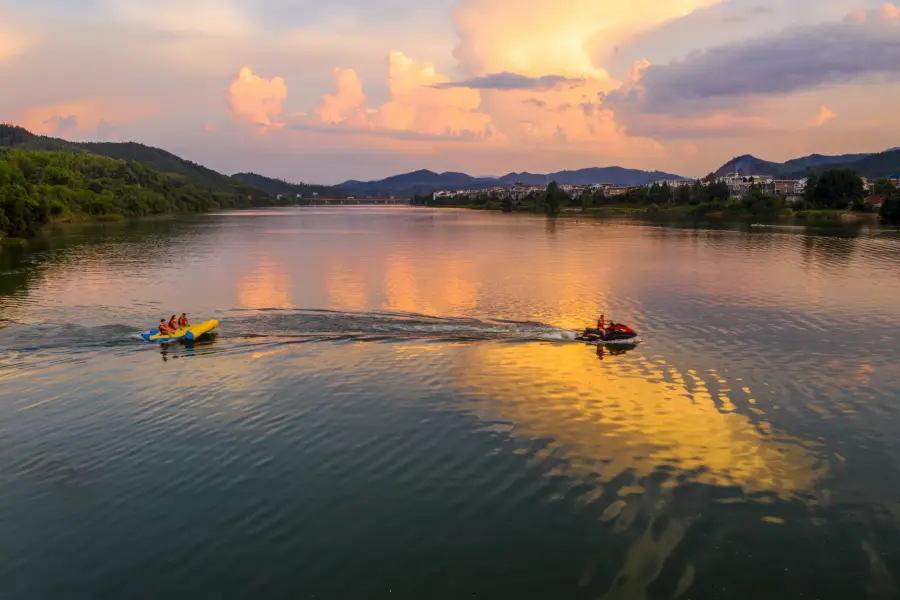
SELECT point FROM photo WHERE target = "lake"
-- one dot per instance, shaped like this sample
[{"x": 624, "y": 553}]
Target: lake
[{"x": 391, "y": 409}]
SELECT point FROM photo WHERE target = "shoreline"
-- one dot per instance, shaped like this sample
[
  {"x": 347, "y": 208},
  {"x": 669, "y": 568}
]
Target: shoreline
[{"x": 689, "y": 211}]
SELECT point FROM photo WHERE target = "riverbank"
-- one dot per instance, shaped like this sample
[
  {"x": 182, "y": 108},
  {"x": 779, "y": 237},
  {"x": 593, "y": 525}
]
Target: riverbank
[{"x": 709, "y": 210}]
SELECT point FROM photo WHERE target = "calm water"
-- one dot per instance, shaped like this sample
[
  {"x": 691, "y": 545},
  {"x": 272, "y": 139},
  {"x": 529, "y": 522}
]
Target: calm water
[{"x": 390, "y": 410}]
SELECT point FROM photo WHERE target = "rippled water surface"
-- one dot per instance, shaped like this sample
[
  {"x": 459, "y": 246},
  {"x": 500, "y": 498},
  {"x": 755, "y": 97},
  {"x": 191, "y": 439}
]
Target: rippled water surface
[{"x": 393, "y": 407}]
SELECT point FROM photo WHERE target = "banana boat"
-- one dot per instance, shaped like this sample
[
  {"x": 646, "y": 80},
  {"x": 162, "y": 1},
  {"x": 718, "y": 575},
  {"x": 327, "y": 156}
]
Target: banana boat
[{"x": 185, "y": 333}]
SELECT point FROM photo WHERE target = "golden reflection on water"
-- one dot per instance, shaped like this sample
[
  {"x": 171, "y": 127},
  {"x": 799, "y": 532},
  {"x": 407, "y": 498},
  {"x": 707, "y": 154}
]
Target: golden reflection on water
[
  {"x": 637, "y": 415},
  {"x": 442, "y": 287},
  {"x": 401, "y": 292},
  {"x": 267, "y": 285},
  {"x": 345, "y": 286}
]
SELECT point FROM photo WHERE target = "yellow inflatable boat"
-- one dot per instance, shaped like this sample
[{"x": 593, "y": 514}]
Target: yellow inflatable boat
[{"x": 185, "y": 333}]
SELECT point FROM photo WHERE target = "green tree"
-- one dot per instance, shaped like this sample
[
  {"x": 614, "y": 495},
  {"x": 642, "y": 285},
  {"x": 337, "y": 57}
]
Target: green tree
[
  {"x": 718, "y": 191},
  {"x": 507, "y": 203},
  {"x": 837, "y": 188},
  {"x": 883, "y": 187},
  {"x": 890, "y": 210},
  {"x": 812, "y": 182},
  {"x": 37, "y": 185},
  {"x": 587, "y": 200},
  {"x": 554, "y": 198}
]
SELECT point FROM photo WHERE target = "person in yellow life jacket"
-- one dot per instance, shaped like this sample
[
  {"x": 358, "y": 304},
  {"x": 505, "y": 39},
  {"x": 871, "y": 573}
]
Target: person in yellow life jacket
[{"x": 183, "y": 321}]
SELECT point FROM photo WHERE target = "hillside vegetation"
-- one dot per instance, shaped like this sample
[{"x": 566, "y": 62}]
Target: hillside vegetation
[
  {"x": 280, "y": 186},
  {"x": 38, "y": 185},
  {"x": 19, "y": 138}
]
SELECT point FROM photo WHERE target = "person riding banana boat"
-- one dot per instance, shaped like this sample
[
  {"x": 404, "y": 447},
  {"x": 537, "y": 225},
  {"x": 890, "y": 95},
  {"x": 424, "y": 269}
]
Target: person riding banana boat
[{"x": 179, "y": 328}]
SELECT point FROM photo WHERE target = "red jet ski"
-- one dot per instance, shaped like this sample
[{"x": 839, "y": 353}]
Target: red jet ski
[{"x": 615, "y": 333}]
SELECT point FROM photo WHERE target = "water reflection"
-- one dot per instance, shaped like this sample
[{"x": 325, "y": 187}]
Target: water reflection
[
  {"x": 604, "y": 350},
  {"x": 189, "y": 348},
  {"x": 345, "y": 285},
  {"x": 642, "y": 417},
  {"x": 266, "y": 285}
]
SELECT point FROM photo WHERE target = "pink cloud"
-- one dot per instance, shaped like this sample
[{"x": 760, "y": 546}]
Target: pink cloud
[
  {"x": 258, "y": 101},
  {"x": 415, "y": 106},
  {"x": 347, "y": 104},
  {"x": 889, "y": 11},
  {"x": 825, "y": 115}
]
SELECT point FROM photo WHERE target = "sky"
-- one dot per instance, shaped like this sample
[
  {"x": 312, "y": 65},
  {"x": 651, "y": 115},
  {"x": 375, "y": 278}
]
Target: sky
[{"x": 323, "y": 92}]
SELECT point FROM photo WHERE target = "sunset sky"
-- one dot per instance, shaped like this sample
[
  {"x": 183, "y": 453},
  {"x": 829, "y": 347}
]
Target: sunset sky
[{"x": 361, "y": 89}]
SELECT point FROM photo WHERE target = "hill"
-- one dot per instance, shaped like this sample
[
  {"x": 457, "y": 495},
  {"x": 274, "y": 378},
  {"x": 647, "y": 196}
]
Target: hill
[
  {"x": 872, "y": 166},
  {"x": 878, "y": 165},
  {"x": 292, "y": 190},
  {"x": 38, "y": 185},
  {"x": 748, "y": 164},
  {"x": 21, "y": 139},
  {"x": 819, "y": 161},
  {"x": 424, "y": 182}
]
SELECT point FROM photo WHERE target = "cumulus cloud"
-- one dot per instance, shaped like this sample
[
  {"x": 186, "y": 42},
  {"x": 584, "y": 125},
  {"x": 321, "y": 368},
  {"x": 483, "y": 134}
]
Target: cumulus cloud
[
  {"x": 258, "y": 101},
  {"x": 825, "y": 115},
  {"x": 514, "y": 81},
  {"x": 416, "y": 103},
  {"x": 553, "y": 36},
  {"x": 347, "y": 104}
]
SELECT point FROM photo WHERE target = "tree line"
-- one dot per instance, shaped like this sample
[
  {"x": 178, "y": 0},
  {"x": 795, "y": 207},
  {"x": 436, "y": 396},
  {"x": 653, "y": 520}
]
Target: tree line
[
  {"x": 38, "y": 186},
  {"x": 835, "y": 189}
]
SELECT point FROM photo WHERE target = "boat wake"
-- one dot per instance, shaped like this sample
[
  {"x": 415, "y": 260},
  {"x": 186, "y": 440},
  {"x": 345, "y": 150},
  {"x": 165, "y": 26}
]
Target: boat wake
[{"x": 287, "y": 325}]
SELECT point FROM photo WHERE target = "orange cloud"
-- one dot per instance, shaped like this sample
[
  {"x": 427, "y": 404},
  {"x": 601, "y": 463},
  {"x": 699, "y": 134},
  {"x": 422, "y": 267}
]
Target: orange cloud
[
  {"x": 553, "y": 36},
  {"x": 347, "y": 104},
  {"x": 85, "y": 117},
  {"x": 825, "y": 115},
  {"x": 210, "y": 128},
  {"x": 254, "y": 100},
  {"x": 415, "y": 105},
  {"x": 889, "y": 11}
]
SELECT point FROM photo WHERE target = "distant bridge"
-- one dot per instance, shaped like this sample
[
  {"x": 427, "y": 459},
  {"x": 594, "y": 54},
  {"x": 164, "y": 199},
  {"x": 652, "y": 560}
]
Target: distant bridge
[{"x": 357, "y": 201}]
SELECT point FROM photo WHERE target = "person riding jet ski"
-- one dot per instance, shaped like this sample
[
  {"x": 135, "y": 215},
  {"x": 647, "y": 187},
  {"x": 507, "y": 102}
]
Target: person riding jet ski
[{"x": 608, "y": 333}]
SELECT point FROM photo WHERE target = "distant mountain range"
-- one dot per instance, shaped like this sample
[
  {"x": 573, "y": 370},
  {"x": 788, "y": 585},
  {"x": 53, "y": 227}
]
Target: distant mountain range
[
  {"x": 424, "y": 182},
  {"x": 875, "y": 165}
]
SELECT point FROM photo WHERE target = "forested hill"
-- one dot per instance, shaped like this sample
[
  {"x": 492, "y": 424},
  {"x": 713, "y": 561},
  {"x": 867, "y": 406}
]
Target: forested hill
[
  {"x": 38, "y": 185},
  {"x": 280, "y": 186},
  {"x": 156, "y": 158}
]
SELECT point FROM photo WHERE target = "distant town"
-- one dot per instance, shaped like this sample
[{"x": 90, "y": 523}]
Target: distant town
[{"x": 738, "y": 185}]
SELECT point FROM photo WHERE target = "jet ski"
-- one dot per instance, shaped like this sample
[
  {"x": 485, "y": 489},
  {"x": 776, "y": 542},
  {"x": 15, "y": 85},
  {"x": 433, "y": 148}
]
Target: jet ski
[{"x": 615, "y": 333}]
